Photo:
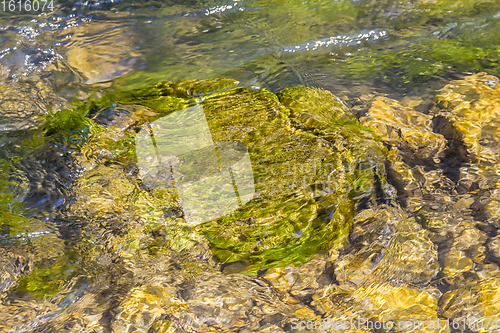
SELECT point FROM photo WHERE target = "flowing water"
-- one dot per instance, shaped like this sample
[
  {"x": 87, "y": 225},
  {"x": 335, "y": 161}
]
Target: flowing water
[{"x": 86, "y": 247}]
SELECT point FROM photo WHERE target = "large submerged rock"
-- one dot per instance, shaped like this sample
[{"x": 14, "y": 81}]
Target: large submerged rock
[{"x": 311, "y": 162}]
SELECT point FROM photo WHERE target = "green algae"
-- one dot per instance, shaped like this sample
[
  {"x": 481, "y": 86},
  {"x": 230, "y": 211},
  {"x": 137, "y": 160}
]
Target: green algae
[
  {"x": 420, "y": 56},
  {"x": 409, "y": 14},
  {"x": 309, "y": 208},
  {"x": 423, "y": 40},
  {"x": 418, "y": 25},
  {"x": 311, "y": 161},
  {"x": 13, "y": 220},
  {"x": 49, "y": 277},
  {"x": 20, "y": 227}
]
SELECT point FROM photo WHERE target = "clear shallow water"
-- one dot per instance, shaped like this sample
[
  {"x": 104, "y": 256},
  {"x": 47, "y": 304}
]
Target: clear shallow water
[
  {"x": 404, "y": 49},
  {"x": 126, "y": 44}
]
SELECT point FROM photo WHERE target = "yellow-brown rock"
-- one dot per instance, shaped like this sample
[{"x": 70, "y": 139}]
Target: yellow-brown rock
[
  {"x": 388, "y": 247},
  {"x": 299, "y": 281},
  {"x": 469, "y": 237},
  {"x": 383, "y": 303},
  {"x": 493, "y": 206},
  {"x": 469, "y": 111},
  {"x": 403, "y": 127},
  {"x": 102, "y": 54},
  {"x": 494, "y": 246},
  {"x": 144, "y": 305},
  {"x": 23, "y": 312},
  {"x": 456, "y": 262},
  {"x": 473, "y": 301}
]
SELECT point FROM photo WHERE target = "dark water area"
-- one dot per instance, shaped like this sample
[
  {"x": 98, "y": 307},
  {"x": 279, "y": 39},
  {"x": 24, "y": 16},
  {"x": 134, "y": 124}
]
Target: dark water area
[{"x": 374, "y": 192}]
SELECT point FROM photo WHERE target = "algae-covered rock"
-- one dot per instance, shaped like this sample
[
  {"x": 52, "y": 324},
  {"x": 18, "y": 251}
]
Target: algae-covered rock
[
  {"x": 35, "y": 166},
  {"x": 311, "y": 161},
  {"x": 316, "y": 176}
]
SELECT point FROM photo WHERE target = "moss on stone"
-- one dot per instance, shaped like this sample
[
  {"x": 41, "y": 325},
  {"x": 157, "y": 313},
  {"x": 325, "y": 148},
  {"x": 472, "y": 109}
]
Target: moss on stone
[{"x": 311, "y": 162}]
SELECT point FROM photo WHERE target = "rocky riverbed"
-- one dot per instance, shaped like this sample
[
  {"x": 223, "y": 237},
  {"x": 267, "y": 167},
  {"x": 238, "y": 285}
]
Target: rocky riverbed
[{"x": 369, "y": 209}]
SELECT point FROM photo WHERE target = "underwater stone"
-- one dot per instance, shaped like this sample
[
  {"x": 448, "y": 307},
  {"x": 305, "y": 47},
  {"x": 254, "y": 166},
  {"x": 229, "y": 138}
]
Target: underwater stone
[
  {"x": 469, "y": 111},
  {"x": 456, "y": 262},
  {"x": 13, "y": 264},
  {"x": 473, "y": 300},
  {"x": 208, "y": 302},
  {"x": 310, "y": 157},
  {"x": 381, "y": 302},
  {"x": 404, "y": 128},
  {"x": 388, "y": 247},
  {"x": 494, "y": 246},
  {"x": 302, "y": 281}
]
